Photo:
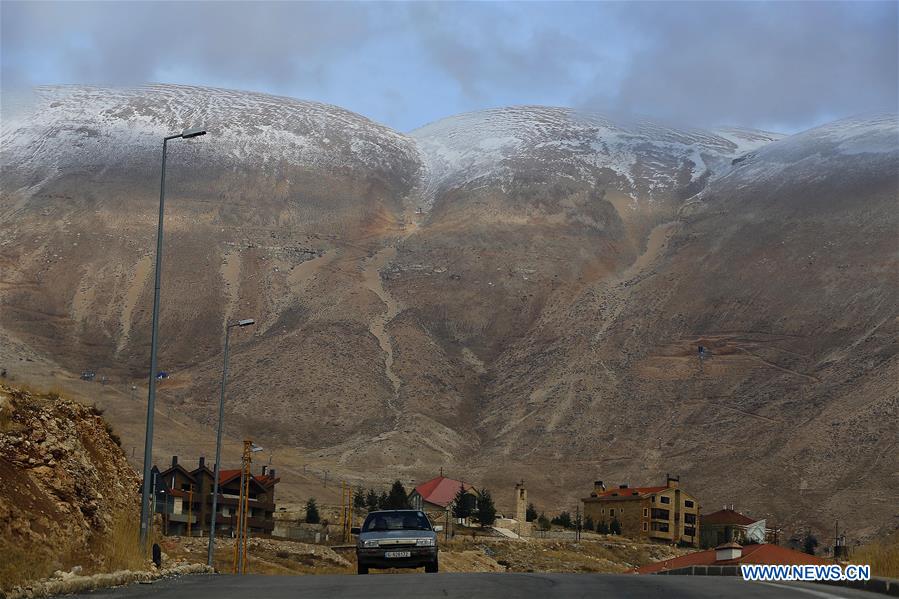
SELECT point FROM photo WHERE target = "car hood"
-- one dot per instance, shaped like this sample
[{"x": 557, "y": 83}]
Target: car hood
[{"x": 395, "y": 535}]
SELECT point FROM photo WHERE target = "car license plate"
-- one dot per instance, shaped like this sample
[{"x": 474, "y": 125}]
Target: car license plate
[{"x": 397, "y": 554}]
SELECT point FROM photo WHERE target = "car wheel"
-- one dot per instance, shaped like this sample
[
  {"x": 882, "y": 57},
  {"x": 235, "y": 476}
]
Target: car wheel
[
  {"x": 360, "y": 569},
  {"x": 431, "y": 568}
]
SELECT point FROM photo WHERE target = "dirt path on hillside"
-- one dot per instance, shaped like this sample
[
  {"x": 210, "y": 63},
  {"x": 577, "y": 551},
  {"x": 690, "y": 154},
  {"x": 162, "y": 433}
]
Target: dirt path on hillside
[
  {"x": 371, "y": 277},
  {"x": 139, "y": 277}
]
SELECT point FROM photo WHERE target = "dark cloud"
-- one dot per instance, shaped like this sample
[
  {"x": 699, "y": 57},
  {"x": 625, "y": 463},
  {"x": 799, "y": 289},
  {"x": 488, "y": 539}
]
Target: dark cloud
[{"x": 777, "y": 65}]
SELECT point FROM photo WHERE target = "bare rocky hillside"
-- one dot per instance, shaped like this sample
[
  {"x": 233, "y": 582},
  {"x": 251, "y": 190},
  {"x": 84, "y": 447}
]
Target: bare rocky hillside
[
  {"x": 69, "y": 496},
  {"x": 515, "y": 293}
]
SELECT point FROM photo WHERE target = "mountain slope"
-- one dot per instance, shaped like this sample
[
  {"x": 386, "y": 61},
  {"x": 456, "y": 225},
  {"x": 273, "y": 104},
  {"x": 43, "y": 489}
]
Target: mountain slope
[{"x": 524, "y": 286}]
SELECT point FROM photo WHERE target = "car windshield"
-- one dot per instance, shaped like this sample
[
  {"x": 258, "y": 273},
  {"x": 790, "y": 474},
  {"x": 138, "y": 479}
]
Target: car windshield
[{"x": 396, "y": 521}]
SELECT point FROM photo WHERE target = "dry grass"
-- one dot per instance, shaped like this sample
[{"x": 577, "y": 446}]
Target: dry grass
[
  {"x": 119, "y": 549},
  {"x": 882, "y": 556}
]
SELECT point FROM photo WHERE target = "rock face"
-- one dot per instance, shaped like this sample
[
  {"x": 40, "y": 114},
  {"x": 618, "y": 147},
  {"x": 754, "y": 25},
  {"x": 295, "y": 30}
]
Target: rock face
[
  {"x": 67, "y": 488},
  {"x": 525, "y": 287}
]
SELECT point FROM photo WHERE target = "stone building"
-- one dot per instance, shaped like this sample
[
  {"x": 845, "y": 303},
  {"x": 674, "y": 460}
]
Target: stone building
[
  {"x": 665, "y": 513},
  {"x": 728, "y": 525},
  {"x": 184, "y": 498}
]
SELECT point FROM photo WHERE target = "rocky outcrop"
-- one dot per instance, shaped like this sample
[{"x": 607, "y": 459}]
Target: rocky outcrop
[{"x": 68, "y": 495}]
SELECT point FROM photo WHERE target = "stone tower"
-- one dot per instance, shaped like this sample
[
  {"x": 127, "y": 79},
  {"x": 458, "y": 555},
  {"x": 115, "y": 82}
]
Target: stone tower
[{"x": 521, "y": 502}]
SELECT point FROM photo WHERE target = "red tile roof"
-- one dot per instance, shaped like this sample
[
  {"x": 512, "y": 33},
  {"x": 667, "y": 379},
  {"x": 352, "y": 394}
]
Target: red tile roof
[
  {"x": 441, "y": 490},
  {"x": 229, "y": 475},
  {"x": 628, "y": 493},
  {"x": 727, "y": 517},
  {"x": 752, "y": 554}
]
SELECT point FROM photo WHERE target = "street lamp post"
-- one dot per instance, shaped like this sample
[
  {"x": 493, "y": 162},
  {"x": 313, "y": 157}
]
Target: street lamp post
[
  {"x": 218, "y": 438},
  {"x": 154, "y": 342}
]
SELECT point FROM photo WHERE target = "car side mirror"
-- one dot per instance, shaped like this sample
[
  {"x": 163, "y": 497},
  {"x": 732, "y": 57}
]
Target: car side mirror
[
  {"x": 355, "y": 530},
  {"x": 438, "y": 528}
]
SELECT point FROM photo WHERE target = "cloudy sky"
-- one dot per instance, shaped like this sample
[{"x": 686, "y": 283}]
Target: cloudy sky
[{"x": 779, "y": 66}]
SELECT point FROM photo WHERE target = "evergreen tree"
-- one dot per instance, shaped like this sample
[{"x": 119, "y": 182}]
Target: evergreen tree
[
  {"x": 602, "y": 528},
  {"x": 563, "y": 519},
  {"x": 397, "y": 499},
  {"x": 588, "y": 524},
  {"x": 359, "y": 499},
  {"x": 312, "y": 516},
  {"x": 486, "y": 509},
  {"x": 530, "y": 514},
  {"x": 463, "y": 503},
  {"x": 543, "y": 522},
  {"x": 810, "y": 544},
  {"x": 371, "y": 500},
  {"x": 383, "y": 500},
  {"x": 615, "y": 527}
]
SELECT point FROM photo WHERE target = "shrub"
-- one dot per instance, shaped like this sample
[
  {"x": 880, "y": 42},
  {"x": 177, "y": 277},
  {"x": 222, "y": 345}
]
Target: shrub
[
  {"x": 530, "y": 513},
  {"x": 588, "y": 524},
  {"x": 602, "y": 528}
]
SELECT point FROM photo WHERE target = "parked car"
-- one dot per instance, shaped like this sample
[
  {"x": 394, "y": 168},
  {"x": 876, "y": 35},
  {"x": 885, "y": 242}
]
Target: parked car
[{"x": 396, "y": 539}]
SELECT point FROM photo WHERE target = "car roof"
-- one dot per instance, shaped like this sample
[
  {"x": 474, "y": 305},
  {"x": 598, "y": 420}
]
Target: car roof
[{"x": 395, "y": 512}]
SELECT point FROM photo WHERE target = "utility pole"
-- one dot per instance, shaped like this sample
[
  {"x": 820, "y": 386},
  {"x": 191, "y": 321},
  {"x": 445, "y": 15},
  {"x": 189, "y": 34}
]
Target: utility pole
[
  {"x": 577, "y": 523},
  {"x": 242, "y": 508}
]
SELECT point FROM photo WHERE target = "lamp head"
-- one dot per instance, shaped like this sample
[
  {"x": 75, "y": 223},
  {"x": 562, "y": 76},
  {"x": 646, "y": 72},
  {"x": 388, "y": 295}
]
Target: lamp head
[{"x": 196, "y": 132}]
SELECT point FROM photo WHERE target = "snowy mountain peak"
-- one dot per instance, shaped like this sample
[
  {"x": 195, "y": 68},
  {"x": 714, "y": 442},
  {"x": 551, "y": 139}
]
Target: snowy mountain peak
[{"x": 640, "y": 157}]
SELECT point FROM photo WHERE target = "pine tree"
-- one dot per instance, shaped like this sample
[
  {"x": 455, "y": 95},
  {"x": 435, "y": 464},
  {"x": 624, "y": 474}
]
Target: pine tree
[
  {"x": 312, "y": 516},
  {"x": 543, "y": 522},
  {"x": 486, "y": 509},
  {"x": 563, "y": 519},
  {"x": 602, "y": 528},
  {"x": 462, "y": 503},
  {"x": 588, "y": 524},
  {"x": 359, "y": 499},
  {"x": 810, "y": 544},
  {"x": 397, "y": 499},
  {"x": 615, "y": 527},
  {"x": 371, "y": 500},
  {"x": 383, "y": 500},
  {"x": 530, "y": 514}
]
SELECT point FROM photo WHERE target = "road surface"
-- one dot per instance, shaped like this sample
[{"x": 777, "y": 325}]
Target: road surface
[{"x": 470, "y": 586}]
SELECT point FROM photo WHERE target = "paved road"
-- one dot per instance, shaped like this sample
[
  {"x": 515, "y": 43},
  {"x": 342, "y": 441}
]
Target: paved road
[{"x": 471, "y": 586}]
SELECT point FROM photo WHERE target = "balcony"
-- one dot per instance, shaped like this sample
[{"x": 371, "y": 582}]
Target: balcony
[{"x": 183, "y": 517}]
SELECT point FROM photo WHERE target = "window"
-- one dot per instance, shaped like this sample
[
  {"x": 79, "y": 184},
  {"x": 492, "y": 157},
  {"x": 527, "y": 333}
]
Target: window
[
  {"x": 612, "y": 512},
  {"x": 688, "y": 503},
  {"x": 660, "y": 526},
  {"x": 644, "y": 527},
  {"x": 645, "y": 512},
  {"x": 666, "y": 499},
  {"x": 660, "y": 514},
  {"x": 689, "y": 531},
  {"x": 689, "y": 519}
]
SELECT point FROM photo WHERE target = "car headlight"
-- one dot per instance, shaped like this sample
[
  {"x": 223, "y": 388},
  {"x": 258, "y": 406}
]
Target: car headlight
[
  {"x": 369, "y": 544},
  {"x": 425, "y": 542}
]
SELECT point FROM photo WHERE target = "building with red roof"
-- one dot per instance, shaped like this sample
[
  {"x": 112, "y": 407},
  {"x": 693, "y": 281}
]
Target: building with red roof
[
  {"x": 184, "y": 498},
  {"x": 439, "y": 494},
  {"x": 728, "y": 525},
  {"x": 663, "y": 513},
  {"x": 726, "y": 559}
]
